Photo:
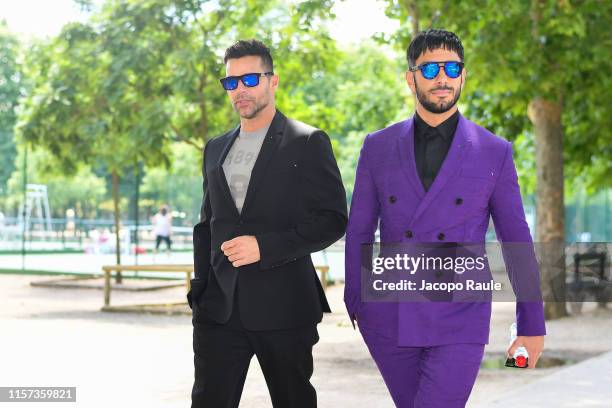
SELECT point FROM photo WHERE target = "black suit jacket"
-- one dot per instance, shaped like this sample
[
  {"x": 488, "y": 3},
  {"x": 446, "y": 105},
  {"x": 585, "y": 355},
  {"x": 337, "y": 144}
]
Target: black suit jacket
[{"x": 295, "y": 205}]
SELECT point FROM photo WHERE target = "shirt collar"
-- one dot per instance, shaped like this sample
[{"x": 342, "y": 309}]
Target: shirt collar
[{"x": 445, "y": 129}]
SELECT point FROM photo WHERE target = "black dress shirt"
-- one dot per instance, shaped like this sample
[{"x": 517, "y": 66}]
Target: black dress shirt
[{"x": 431, "y": 145}]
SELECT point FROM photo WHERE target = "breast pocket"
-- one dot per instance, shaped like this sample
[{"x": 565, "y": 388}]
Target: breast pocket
[
  {"x": 283, "y": 171},
  {"x": 278, "y": 192}
]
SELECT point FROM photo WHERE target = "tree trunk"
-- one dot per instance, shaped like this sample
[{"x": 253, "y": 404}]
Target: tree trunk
[
  {"x": 117, "y": 223},
  {"x": 137, "y": 212},
  {"x": 413, "y": 12},
  {"x": 550, "y": 211}
]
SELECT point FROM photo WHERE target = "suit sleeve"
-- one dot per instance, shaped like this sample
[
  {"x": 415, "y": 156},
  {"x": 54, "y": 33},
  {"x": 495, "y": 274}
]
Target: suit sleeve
[
  {"x": 362, "y": 224},
  {"x": 201, "y": 241},
  {"x": 324, "y": 197},
  {"x": 517, "y": 247}
]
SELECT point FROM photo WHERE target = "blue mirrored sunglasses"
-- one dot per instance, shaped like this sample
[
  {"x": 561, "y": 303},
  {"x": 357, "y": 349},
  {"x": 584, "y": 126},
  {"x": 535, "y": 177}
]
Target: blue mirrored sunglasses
[
  {"x": 430, "y": 70},
  {"x": 249, "y": 80}
]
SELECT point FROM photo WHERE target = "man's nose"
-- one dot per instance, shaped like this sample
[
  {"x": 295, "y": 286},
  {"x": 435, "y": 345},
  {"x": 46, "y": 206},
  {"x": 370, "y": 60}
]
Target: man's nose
[
  {"x": 441, "y": 78},
  {"x": 241, "y": 86}
]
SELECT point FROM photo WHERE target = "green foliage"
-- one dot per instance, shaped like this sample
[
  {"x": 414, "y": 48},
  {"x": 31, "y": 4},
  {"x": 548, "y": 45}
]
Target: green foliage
[
  {"x": 142, "y": 74},
  {"x": 180, "y": 186},
  {"x": 10, "y": 91},
  {"x": 138, "y": 83},
  {"x": 558, "y": 50},
  {"x": 366, "y": 93},
  {"x": 82, "y": 191}
]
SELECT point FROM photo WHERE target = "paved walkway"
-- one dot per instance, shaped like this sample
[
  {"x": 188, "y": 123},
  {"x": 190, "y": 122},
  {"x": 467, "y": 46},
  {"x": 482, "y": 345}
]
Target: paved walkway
[
  {"x": 58, "y": 337},
  {"x": 584, "y": 385}
]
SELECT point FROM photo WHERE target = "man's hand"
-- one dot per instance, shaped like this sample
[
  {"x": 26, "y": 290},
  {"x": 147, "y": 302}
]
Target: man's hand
[
  {"x": 240, "y": 251},
  {"x": 533, "y": 344}
]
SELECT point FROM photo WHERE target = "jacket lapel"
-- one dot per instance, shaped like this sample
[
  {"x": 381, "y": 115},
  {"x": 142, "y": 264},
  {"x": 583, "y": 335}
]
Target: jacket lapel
[
  {"x": 407, "y": 159},
  {"x": 273, "y": 137},
  {"x": 450, "y": 167},
  {"x": 221, "y": 179}
]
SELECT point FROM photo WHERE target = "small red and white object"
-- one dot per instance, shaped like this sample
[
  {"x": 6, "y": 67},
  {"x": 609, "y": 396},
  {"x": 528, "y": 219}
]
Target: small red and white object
[{"x": 520, "y": 359}]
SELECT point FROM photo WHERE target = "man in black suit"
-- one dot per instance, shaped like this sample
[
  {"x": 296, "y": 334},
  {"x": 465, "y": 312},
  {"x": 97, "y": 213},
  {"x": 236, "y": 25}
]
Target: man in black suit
[{"x": 272, "y": 196}]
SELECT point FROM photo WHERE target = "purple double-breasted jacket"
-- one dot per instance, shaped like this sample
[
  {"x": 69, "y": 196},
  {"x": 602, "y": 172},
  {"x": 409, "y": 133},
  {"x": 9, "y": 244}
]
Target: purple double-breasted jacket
[{"x": 477, "y": 180}]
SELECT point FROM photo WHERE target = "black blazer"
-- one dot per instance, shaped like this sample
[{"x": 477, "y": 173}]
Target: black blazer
[{"x": 295, "y": 205}]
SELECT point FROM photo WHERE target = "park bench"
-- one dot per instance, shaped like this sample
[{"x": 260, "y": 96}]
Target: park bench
[
  {"x": 590, "y": 278},
  {"x": 109, "y": 269},
  {"x": 186, "y": 269}
]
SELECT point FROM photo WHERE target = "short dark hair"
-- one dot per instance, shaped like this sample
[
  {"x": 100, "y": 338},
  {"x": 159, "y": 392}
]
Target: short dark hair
[
  {"x": 244, "y": 48},
  {"x": 433, "y": 39}
]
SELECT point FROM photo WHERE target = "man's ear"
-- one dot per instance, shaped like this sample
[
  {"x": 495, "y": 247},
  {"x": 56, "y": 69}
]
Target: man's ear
[
  {"x": 409, "y": 76},
  {"x": 464, "y": 75},
  {"x": 275, "y": 80}
]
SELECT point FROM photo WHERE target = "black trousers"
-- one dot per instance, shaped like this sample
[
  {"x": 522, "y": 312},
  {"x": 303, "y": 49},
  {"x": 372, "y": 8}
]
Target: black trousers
[
  {"x": 160, "y": 238},
  {"x": 222, "y": 354}
]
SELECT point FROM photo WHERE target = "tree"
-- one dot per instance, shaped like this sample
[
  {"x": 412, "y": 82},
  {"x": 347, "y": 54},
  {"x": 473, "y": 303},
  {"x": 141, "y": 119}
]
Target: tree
[
  {"x": 10, "y": 92},
  {"x": 178, "y": 186},
  {"x": 83, "y": 108},
  {"x": 362, "y": 95},
  {"x": 118, "y": 89}
]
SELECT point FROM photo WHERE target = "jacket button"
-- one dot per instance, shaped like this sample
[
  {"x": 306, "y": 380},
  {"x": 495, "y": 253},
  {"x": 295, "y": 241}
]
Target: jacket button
[
  {"x": 459, "y": 200},
  {"x": 441, "y": 236},
  {"x": 392, "y": 199},
  {"x": 408, "y": 234}
]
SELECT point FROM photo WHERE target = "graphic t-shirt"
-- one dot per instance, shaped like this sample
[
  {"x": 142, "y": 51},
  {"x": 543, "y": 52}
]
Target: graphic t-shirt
[{"x": 239, "y": 163}]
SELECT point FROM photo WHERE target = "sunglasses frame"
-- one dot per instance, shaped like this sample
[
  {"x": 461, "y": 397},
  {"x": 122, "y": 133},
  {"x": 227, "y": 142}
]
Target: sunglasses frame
[
  {"x": 439, "y": 64},
  {"x": 241, "y": 79}
]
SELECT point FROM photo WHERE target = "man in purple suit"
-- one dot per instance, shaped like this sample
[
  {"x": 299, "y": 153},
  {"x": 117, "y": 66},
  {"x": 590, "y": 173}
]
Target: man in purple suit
[{"x": 435, "y": 178}]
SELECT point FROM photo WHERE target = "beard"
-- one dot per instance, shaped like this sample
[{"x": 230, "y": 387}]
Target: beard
[
  {"x": 433, "y": 106},
  {"x": 252, "y": 112}
]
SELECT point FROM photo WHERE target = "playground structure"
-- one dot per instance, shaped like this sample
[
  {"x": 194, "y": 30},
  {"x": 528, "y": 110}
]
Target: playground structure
[{"x": 37, "y": 199}]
